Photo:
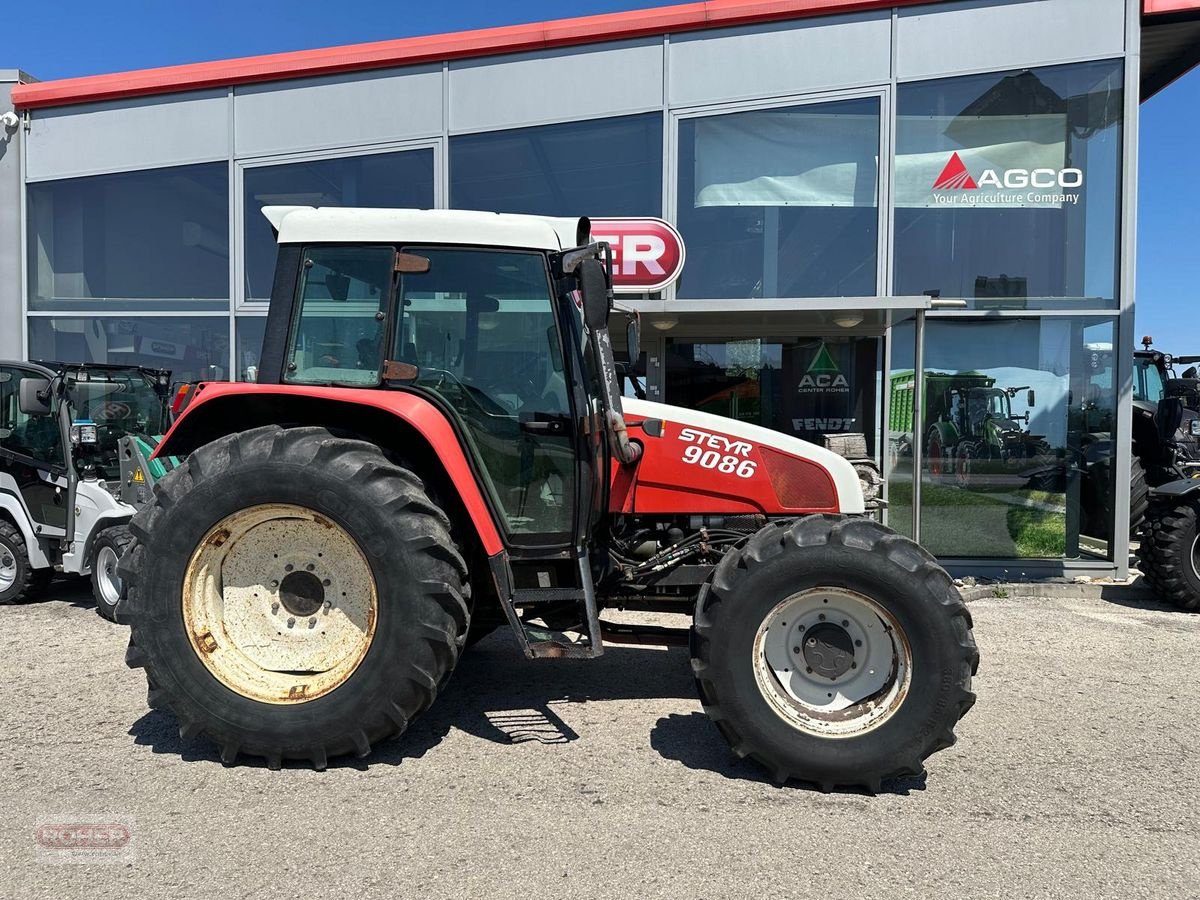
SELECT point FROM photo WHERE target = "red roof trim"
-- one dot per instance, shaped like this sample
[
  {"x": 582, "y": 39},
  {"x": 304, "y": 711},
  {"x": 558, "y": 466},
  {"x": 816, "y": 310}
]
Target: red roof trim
[
  {"x": 433, "y": 48},
  {"x": 1158, "y": 7}
]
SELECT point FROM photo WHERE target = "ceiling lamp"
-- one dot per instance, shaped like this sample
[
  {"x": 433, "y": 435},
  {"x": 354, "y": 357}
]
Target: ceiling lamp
[
  {"x": 664, "y": 323},
  {"x": 848, "y": 319}
]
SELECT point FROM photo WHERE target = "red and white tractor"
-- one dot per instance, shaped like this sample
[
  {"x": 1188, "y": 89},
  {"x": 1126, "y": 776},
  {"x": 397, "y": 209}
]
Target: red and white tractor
[{"x": 437, "y": 446}]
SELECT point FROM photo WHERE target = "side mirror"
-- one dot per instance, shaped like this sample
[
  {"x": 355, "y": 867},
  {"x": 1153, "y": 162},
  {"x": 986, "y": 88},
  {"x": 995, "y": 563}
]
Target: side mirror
[
  {"x": 1031, "y": 398},
  {"x": 593, "y": 285},
  {"x": 34, "y": 396},
  {"x": 633, "y": 337}
]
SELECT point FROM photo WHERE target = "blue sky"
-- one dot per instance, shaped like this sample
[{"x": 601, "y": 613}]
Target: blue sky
[{"x": 69, "y": 37}]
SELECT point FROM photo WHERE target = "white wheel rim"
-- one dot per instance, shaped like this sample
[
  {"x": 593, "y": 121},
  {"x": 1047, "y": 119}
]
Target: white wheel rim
[
  {"x": 8, "y": 567},
  {"x": 106, "y": 575},
  {"x": 279, "y": 603},
  {"x": 863, "y": 662}
]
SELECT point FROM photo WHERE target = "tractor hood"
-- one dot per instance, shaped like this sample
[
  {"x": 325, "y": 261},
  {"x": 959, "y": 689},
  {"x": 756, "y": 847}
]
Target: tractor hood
[{"x": 700, "y": 463}]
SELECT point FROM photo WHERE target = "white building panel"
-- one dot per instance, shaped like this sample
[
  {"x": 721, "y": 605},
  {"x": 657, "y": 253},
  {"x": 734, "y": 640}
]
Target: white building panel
[
  {"x": 338, "y": 111},
  {"x": 556, "y": 86},
  {"x": 786, "y": 58},
  {"x": 991, "y": 35},
  {"x": 128, "y": 134}
]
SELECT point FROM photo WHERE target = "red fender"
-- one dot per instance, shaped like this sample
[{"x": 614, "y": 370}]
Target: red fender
[{"x": 419, "y": 413}]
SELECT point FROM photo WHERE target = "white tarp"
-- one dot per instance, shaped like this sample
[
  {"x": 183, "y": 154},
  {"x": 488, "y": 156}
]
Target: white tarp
[{"x": 782, "y": 159}]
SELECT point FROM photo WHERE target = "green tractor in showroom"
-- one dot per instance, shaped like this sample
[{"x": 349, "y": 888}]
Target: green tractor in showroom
[
  {"x": 437, "y": 444},
  {"x": 75, "y": 441}
]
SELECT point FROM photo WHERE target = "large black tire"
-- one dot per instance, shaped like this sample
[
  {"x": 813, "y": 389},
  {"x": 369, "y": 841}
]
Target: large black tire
[
  {"x": 26, "y": 581},
  {"x": 857, "y": 555},
  {"x": 107, "y": 549},
  {"x": 1139, "y": 495},
  {"x": 420, "y": 578},
  {"x": 1167, "y": 553}
]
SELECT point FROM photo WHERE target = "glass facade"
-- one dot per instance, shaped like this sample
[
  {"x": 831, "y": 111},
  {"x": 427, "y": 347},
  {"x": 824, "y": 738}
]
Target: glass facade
[
  {"x": 603, "y": 167},
  {"x": 396, "y": 180},
  {"x": 158, "y": 238},
  {"x": 1016, "y": 437},
  {"x": 1002, "y": 189},
  {"x": 806, "y": 387},
  {"x": 781, "y": 202},
  {"x": 1007, "y": 187},
  {"x": 194, "y": 348}
]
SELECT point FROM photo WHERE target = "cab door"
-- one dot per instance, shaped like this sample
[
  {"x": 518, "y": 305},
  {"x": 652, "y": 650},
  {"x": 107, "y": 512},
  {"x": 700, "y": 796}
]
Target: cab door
[{"x": 32, "y": 455}]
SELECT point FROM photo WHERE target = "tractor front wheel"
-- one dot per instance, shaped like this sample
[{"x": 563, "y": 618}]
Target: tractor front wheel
[
  {"x": 833, "y": 651},
  {"x": 293, "y": 595},
  {"x": 108, "y": 548},
  {"x": 1169, "y": 552}
]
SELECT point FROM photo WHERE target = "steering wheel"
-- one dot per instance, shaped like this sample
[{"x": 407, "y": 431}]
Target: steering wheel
[{"x": 481, "y": 400}]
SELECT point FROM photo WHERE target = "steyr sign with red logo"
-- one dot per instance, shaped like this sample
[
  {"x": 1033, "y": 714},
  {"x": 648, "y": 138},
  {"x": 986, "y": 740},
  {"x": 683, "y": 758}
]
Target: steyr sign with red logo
[{"x": 648, "y": 253}]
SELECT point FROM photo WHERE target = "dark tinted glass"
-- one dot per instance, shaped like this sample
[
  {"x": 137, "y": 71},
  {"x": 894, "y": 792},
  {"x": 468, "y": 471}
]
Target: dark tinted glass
[
  {"x": 390, "y": 180},
  {"x": 604, "y": 167},
  {"x": 1008, "y": 186},
  {"x": 194, "y": 348},
  {"x": 157, "y": 238},
  {"x": 781, "y": 202}
]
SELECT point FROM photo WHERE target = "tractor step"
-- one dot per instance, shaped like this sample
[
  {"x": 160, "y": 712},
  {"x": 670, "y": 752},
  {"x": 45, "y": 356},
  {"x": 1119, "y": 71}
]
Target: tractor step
[{"x": 553, "y": 622}]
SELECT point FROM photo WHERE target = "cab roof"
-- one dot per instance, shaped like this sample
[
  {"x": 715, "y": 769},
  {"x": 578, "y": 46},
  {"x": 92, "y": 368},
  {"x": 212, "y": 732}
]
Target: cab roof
[{"x": 311, "y": 225}]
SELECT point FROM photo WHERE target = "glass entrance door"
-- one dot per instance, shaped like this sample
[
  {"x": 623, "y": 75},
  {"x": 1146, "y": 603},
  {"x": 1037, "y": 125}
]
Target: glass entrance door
[{"x": 808, "y": 387}]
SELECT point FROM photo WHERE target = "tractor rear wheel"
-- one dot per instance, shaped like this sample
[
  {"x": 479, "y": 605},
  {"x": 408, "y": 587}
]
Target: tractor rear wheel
[
  {"x": 293, "y": 595},
  {"x": 1169, "y": 552},
  {"x": 833, "y": 651}
]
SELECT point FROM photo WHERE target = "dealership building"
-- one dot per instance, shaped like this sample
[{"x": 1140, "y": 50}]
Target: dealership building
[{"x": 863, "y": 188}]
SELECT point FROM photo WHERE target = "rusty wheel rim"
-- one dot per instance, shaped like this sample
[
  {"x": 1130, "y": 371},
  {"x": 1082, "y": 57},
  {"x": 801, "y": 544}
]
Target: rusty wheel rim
[
  {"x": 832, "y": 662},
  {"x": 279, "y": 603}
]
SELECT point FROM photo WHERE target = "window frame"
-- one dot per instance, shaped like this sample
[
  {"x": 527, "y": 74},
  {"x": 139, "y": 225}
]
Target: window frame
[
  {"x": 240, "y": 304},
  {"x": 881, "y": 93}
]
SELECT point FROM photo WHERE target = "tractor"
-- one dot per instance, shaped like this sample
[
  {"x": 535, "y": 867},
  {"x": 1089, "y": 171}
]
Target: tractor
[
  {"x": 436, "y": 446},
  {"x": 1165, "y": 474},
  {"x": 74, "y": 445}
]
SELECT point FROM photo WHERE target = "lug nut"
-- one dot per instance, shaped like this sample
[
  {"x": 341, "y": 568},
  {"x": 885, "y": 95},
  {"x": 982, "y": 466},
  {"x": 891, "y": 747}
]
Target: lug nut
[
  {"x": 795, "y": 649},
  {"x": 809, "y": 670},
  {"x": 854, "y": 665},
  {"x": 275, "y": 582},
  {"x": 312, "y": 621},
  {"x": 328, "y": 605},
  {"x": 327, "y": 582},
  {"x": 821, "y": 617},
  {"x": 274, "y": 607},
  {"x": 311, "y": 566},
  {"x": 845, "y": 623},
  {"x": 288, "y": 567},
  {"x": 291, "y": 622},
  {"x": 858, "y": 643}
]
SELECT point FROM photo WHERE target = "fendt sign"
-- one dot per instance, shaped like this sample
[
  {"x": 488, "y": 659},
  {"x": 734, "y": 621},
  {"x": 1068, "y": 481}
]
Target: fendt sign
[{"x": 648, "y": 253}]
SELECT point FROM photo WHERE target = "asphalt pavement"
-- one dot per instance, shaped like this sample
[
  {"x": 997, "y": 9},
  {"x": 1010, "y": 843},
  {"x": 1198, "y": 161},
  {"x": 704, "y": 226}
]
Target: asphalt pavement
[{"x": 1076, "y": 775}]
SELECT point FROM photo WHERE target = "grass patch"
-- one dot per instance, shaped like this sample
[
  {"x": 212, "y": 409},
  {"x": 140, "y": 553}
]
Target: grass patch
[{"x": 967, "y": 523}]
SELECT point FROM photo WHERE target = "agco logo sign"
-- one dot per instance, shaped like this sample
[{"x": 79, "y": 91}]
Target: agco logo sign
[
  {"x": 648, "y": 254},
  {"x": 957, "y": 177}
]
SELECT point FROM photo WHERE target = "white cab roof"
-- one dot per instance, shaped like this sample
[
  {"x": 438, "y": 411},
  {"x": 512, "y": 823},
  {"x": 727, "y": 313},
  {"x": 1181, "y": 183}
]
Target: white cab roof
[{"x": 309, "y": 225}]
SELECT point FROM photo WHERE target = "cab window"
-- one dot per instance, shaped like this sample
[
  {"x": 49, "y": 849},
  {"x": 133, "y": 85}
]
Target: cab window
[
  {"x": 34, "y": 436},
  {"x": 338, "y": 330}
]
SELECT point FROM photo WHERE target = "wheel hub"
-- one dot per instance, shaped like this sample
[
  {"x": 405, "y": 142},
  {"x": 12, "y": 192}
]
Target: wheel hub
[
  {"x": 832, "y": 662},
  {"x": 829, "y": 651},
  {"x": 301, "y": 593},
  {"x": 280, "y": 603}
]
